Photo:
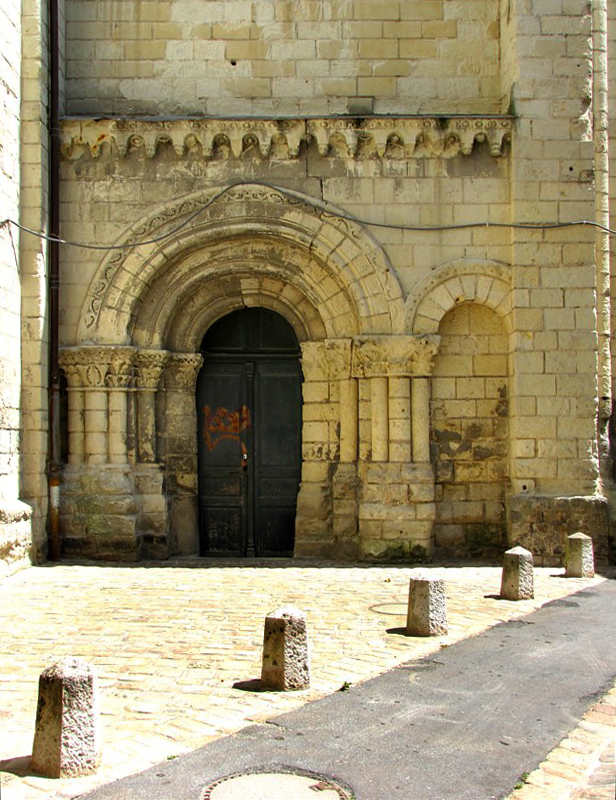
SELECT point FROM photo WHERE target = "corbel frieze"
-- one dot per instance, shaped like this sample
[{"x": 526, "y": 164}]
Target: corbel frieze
[
  {"x": 394, "y": 356},
  {"x": 337, "y": 137}
]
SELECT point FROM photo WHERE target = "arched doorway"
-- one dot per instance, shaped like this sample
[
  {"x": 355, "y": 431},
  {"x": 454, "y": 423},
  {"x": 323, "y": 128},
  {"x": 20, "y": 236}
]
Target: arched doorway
[{"x": 249, "y": 414}]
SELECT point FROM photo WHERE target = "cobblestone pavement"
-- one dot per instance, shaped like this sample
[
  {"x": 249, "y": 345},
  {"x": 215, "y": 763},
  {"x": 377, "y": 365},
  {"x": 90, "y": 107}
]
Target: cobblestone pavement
[{"x": 169, "y": 641}]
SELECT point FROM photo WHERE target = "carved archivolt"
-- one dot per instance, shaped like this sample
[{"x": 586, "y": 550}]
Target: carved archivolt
[
  {"x": 371, "y": 137},
  {"x": 334, "y": 262}
]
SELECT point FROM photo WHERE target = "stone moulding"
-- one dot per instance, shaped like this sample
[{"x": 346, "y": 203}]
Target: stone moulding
[{"x": 345, "y": 138}]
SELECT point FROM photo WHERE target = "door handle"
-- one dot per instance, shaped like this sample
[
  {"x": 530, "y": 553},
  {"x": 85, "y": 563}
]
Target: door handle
[{"x": 244, "y": 457}]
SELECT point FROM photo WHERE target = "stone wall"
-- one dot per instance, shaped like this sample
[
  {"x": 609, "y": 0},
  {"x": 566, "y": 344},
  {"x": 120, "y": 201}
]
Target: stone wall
[
  {"x": 14, "y": 515},
  {"x": 282, "y": 58},
  {"x": 470, "y": 432}
]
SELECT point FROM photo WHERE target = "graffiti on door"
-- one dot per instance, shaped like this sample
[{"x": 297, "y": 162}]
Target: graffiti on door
[{"x": 223, "y": 424}]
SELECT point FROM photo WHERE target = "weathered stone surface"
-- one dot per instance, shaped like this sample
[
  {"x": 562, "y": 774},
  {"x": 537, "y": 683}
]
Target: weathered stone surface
[
  {"x": 517, "y": 580},
  {"x": 579, "y": 558},
  {"x": 286, "y": 658},
  {"x": 67, "y": 736},
  {"x": 427, "y": 610}
]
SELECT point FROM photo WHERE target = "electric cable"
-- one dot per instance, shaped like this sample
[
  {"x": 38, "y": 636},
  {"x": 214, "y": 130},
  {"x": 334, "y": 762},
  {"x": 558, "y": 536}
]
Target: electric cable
[{"x": 321, "y": 206}]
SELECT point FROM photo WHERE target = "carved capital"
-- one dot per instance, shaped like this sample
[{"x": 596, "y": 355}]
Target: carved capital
[
  {"x": 182, "y": 370},
  {"x": 88, "y": 367},
  {"x": 329, "y": 359},
  {"x": 394, "y": 356},
  {"x": 120, "y": 372},
  {"x": 149, "y": 366}
]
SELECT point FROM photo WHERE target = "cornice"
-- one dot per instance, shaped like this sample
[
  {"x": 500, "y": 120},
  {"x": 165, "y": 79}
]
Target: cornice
[{"x": 282, "y": 139}]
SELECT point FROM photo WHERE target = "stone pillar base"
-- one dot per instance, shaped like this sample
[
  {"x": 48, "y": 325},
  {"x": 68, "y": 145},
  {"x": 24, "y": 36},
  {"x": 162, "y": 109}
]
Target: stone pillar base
[
  {"x": 153, "y": 524},
  {"x": 98, "y": 513},
  {"x": 396, "y": 511},
  {"x": 541, "y": 524},
  {"x": 15, "y": 536},
  {"x": 313, "y": 520}
]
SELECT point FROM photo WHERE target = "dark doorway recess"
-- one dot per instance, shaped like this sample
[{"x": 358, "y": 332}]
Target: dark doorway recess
[{"x": 249, "y": 412}]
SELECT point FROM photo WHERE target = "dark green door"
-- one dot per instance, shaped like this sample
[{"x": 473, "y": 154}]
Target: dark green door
[{"x": 249, "y": 422}]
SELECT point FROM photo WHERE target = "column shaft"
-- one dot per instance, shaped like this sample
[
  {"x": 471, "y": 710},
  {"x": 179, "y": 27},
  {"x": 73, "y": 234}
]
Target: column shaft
[
  {"x": 400, "y": 419},
  {"x": 380, "y": 419},
  {"x": 421, "y": 420},
  {"x": 76, "y": 438},
  {"x": 348, "y": 420}
]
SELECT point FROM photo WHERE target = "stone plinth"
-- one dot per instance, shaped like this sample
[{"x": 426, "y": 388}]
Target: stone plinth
[
  {"x": 427, "y": 612},
  {"x": 579, "y": 561},
  {"x": 66, "y": 737},
  {"x": 517, "y": 581},
  {"x": 286, "y": 660}
]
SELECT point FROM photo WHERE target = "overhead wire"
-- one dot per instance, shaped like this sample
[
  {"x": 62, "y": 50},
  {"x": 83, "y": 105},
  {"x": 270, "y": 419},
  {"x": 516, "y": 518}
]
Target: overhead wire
[{"x": 322, "y": 206}]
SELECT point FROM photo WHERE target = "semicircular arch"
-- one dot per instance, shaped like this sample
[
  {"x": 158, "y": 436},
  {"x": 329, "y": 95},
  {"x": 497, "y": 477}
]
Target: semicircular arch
[
  {"x": 313, "y": 249},
  {"x": 462, "y": 281}
]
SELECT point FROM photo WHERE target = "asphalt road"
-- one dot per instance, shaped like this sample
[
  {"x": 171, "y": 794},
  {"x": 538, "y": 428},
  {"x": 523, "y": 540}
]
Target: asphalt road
[{"x": 461, "y": 725}]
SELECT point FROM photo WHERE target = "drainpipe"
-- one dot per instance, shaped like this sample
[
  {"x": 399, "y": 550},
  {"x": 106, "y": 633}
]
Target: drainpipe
[
  {"x": 53, "y": 468},
  {"x": 602, "y": 207}
]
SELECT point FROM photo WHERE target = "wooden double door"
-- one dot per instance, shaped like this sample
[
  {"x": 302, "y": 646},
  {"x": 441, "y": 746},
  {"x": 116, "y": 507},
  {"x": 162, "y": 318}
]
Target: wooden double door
[{"x": 249, "y": 421}]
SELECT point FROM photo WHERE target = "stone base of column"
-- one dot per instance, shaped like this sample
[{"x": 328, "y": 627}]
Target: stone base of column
[
  {"x": 542, "y": 523},
  {"x": 15, "y": 536},
  {"x": 345, "y": 513},
  {"x": 396, "y": 512},
  {"x": 313, "y": 519},
  {"x": 153, "y": 521},
  {"x": 98, "y": 513}
]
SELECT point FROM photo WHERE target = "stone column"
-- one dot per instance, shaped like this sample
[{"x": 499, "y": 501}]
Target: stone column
[
  {"x": 149, "y": 367},
  {"x": 328, "y": 428},
  {"x": 349, "y": 407},
  {"x": 396, "y": 509},
  {"x": 421, "y": 420},
  {"x": 93, "y": 365},
  {"x": 179, "y": 449},
  {"x": 75, "y": 422},
  {"x": 379, "y": 410},
  {"x": 118, "y": 380},
  {"x": 400, "y": 419}
]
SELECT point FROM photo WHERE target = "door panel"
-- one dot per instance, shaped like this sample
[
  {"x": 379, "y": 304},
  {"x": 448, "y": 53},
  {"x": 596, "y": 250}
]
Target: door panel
[
  {"x": 224, "y": 425},
  {"x": 249, "y": 417},
  {"x": 277, "y": 454}
]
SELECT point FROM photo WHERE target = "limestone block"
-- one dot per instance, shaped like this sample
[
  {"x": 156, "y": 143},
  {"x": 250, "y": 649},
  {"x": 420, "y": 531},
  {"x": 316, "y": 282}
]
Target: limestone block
[
  {"x": 286, "y": 660},
  {"x": 517, "y": 578},
  {"x": 427, "y": 612},
  {"x": 67, "y": 737},
  {"x": 579, "y": 558}
]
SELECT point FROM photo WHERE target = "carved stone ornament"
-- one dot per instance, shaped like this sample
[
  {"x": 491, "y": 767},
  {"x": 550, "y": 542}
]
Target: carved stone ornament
[
  {"x": 88, "y": 367},
  {"x": 149, "y": 365},
  {"x": 120, "y": 372},
  {"x": 346, "y": 138},
  {"x": 182, "y": 370},
  {"x": 329, "y": 359},
  {"x": 394, "y": 356}
]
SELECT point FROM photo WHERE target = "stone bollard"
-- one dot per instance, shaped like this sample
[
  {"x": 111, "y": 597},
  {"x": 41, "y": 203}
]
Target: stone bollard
[
  {"x": 427, "y": 611},
  {"x": 66, "y": 736},
  {"x": 517, "y": 582},
  {"x": 579, "y": 558},
  {"x": 286, "y": 661}
]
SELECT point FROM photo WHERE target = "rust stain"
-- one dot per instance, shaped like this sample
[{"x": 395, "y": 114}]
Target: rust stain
[{"x": 224, "y": 424}]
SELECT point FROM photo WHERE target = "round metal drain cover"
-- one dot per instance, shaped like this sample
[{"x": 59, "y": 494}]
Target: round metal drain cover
[{"x": 279, "y": 784}]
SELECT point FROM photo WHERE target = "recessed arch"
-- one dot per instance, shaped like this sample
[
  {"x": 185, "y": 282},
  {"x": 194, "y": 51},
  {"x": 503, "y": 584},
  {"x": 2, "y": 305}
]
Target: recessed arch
[
  {"x": 250, "y": 231},
  {"x": 484, "y": 282}
]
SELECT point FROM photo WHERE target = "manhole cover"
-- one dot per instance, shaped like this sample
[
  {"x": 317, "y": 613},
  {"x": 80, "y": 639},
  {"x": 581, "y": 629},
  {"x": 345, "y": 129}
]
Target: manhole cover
[{"x": 279, "y": 784}]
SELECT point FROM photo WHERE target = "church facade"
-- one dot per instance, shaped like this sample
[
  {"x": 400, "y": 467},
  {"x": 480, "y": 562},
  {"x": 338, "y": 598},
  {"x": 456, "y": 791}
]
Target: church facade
[{"x": 335, "y": 279}]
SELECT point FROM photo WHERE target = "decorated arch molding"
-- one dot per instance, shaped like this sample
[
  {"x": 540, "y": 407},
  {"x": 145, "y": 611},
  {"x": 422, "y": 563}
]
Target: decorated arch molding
[
  {"x": 484, "y": 282},
  {"x": 250, "y": 244}
]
